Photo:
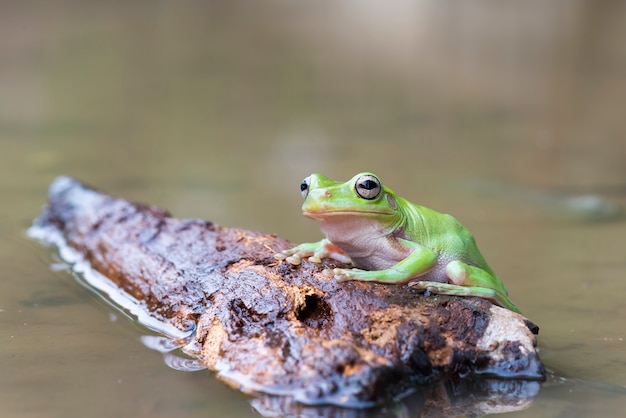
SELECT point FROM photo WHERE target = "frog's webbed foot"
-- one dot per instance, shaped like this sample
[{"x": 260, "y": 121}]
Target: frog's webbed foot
[
  {"x": 453, "y": 289},
  {"x": 292, "y": 255},
  {"x": 493, "y": 295},
  {"x": 315, "y": 251}
]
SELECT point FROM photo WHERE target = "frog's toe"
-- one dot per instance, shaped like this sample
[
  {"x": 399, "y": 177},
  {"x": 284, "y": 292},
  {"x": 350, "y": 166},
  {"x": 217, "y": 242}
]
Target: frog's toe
[
  {"x": 342, "y": 275},
  {"x": 294, "y": 259},
  {"x": 280, "y": 256},
  {"x": 342, "y": 258},
  {"x": 315, "y": 259},
  {"x": 419, "y": 285},
  {"x": 427, "y": 288},
  {"x": 328, "y": 273}
]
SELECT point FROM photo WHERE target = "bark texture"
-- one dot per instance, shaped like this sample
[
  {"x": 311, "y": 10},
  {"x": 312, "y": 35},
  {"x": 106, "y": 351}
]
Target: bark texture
[{"x": 273, "y": 328}]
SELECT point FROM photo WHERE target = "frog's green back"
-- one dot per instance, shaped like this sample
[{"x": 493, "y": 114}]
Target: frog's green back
[{"x": 441, "y": 233}]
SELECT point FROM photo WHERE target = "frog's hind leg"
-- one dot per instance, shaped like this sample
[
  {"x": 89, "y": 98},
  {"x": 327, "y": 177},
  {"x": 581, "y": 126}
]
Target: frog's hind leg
[{"x": 469, "y": 281}]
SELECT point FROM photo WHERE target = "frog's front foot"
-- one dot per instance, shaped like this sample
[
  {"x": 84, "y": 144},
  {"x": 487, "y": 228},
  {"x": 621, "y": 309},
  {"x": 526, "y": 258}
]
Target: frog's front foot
[
  {"x": 315, "y": 251},
  {"x": 291, "y": 255}
]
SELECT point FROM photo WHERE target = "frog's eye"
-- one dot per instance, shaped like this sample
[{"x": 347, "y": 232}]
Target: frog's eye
[
  {"x": 368, "y": 187},
  {"x": 304, "y": 187}
]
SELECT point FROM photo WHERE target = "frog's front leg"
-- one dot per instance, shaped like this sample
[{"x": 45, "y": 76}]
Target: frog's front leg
[
  {"x": 418, "y": 262},
  {"x": 470, "y": 281},
  {"x": 315, "y": 251}
]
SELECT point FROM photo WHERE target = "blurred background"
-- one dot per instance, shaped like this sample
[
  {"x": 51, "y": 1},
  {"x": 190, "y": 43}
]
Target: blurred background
[{"x": 509, "y": 115}]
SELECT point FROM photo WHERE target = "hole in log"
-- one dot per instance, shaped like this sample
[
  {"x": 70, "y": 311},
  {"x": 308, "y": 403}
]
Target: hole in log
[{"x": 315, "y": 312}]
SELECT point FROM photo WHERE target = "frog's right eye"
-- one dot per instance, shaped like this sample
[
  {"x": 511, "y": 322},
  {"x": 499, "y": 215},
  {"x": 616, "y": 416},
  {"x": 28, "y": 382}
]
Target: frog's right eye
[
  {"x": 304, "y": 187},
  {"x": 368, "y": 187}
]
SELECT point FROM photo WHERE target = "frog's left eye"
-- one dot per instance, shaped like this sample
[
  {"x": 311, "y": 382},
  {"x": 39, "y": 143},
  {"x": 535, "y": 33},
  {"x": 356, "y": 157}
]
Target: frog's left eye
[
  {"x": 304, "y": 187},
  {"x": 368, "y": 187}
]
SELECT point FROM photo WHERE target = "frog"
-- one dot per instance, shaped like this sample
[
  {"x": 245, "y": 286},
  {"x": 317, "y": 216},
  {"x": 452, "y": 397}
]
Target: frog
[{"x": 386, "y": 239}]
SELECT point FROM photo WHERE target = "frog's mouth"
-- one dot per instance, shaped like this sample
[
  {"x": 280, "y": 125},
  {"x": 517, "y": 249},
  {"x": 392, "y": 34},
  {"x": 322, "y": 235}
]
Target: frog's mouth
[{"x": 333, "y": 213}]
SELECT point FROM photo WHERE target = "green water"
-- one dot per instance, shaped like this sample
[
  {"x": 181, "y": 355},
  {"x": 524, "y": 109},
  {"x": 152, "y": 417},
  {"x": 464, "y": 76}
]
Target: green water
[{"x": 504, "y": 115}]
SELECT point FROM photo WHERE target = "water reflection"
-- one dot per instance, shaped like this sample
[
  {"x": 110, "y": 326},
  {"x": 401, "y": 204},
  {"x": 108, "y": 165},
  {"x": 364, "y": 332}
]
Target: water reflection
[{"x": 465, "y": 397}]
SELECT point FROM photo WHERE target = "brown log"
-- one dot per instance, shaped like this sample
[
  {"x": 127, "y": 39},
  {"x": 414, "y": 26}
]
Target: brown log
[{"x": 273, "y": 328}]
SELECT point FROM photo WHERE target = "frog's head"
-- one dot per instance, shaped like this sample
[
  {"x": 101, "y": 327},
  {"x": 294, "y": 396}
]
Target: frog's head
[{"x": 362, "y": 195}]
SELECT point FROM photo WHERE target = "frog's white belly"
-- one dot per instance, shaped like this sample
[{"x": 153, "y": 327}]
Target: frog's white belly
[{"x": 373, "y": 248}]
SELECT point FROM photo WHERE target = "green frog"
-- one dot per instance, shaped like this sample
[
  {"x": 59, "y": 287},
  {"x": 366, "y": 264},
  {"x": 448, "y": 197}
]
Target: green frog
[{"x": 391, "y": 240}]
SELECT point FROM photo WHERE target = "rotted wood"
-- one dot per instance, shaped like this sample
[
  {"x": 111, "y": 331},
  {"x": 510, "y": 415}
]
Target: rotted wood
[{"x": 277, "y": 329}]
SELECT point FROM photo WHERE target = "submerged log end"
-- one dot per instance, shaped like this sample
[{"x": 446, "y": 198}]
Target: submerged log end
[{"x": 273, "y": 328}]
